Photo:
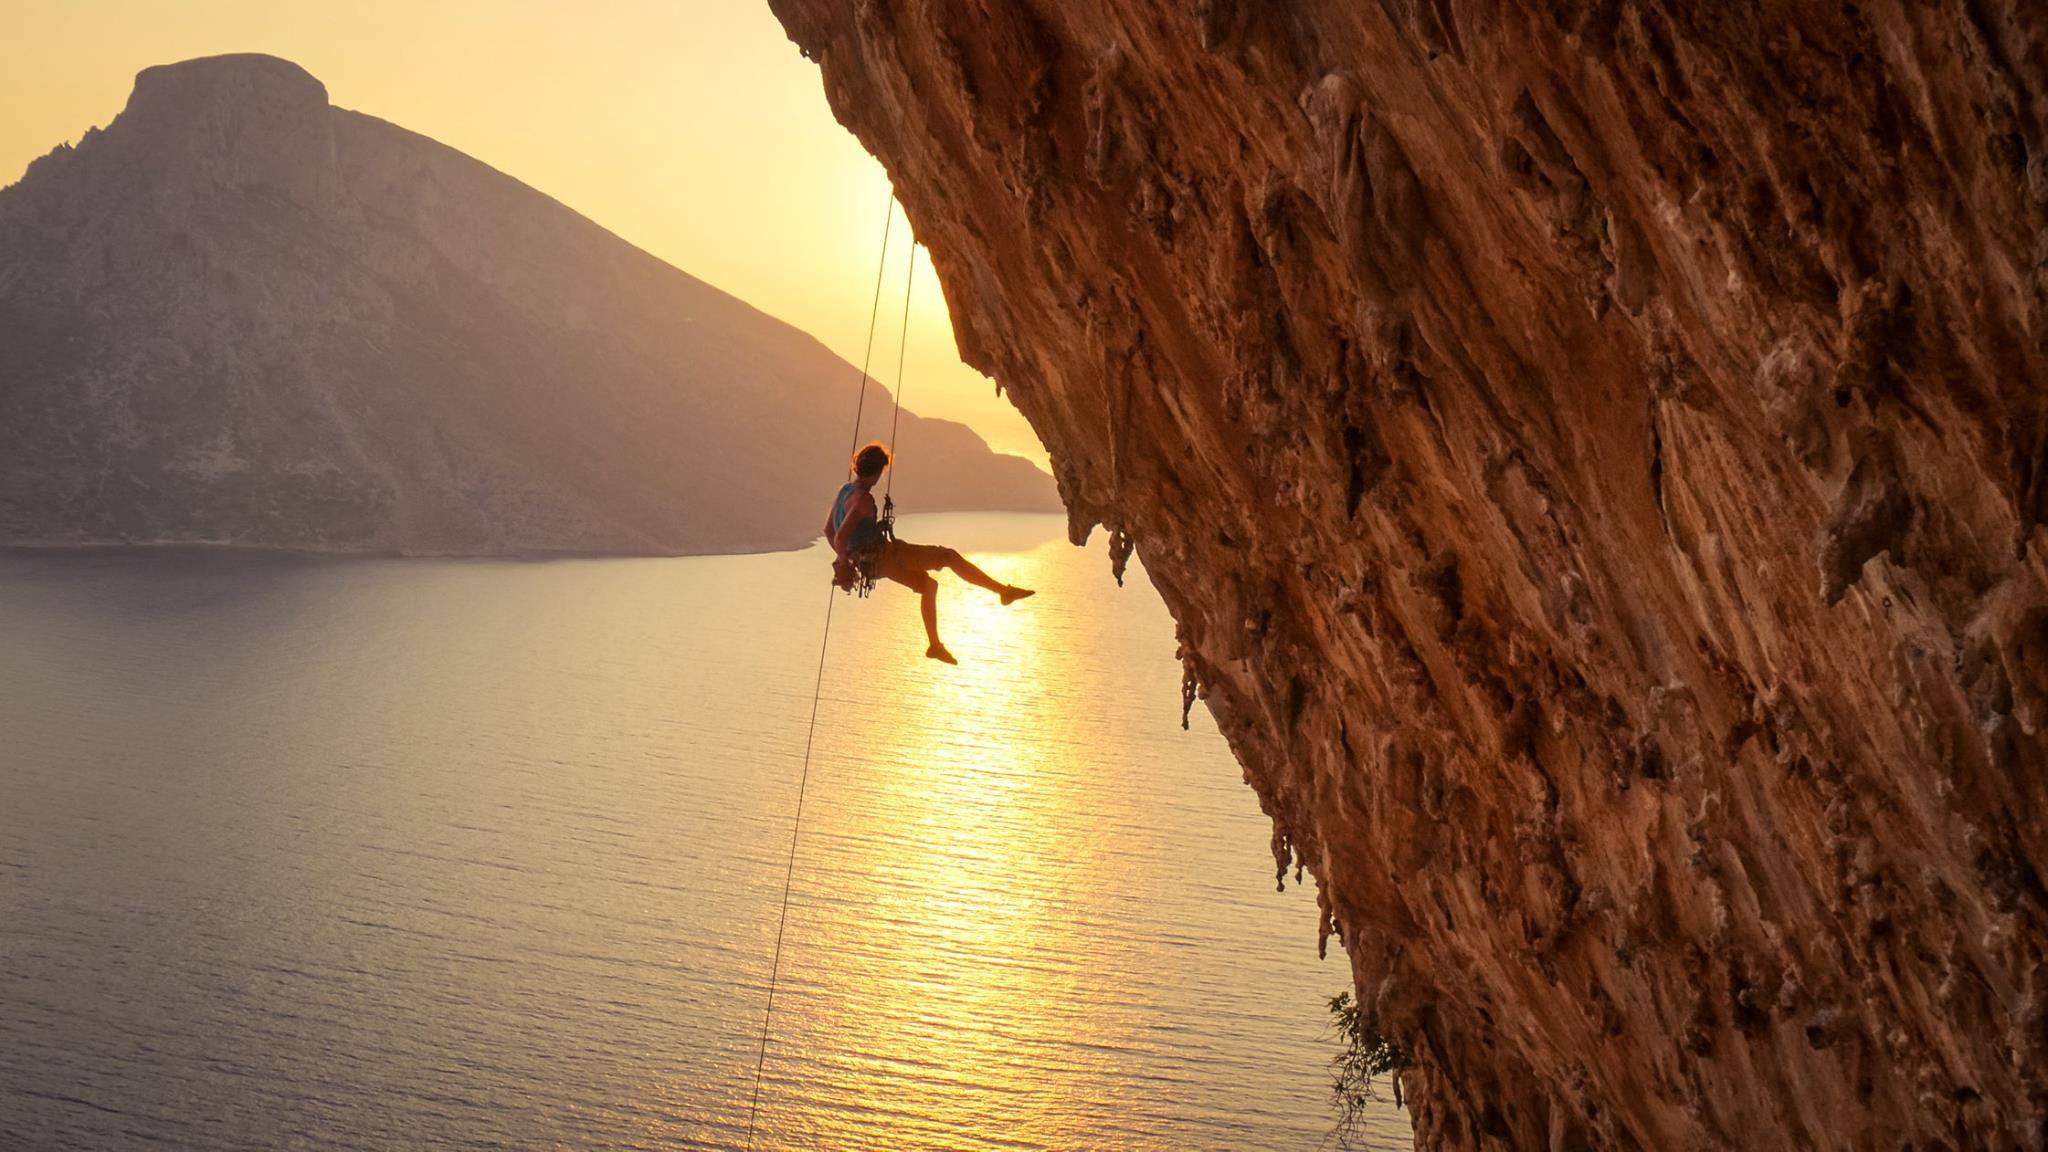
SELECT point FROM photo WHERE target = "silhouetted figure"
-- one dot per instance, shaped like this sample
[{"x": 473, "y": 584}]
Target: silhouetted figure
[{"x": 866, "y": 549}]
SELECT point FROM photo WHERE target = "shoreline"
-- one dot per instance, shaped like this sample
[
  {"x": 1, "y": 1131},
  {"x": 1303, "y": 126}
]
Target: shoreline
[
  {"x": 315, "y": 552},
  {"x": 83, "y": 548}
]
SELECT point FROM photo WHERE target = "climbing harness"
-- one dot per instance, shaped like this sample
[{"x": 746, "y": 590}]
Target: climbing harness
[
  {"x": 863, "y": 582},
  {"x": 863, "y": 569}
]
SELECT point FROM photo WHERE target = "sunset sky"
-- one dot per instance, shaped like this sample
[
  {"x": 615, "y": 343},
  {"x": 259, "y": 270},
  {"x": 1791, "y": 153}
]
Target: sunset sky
[{"x": 690, "y": 127}]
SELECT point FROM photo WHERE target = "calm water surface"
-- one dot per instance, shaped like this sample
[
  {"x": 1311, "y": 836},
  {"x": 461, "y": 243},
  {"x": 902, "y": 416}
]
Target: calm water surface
[{"x": 388, "y": 854}]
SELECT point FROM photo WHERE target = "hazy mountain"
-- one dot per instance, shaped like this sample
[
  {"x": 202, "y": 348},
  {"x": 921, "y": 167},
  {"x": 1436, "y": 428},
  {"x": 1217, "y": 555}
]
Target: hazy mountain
[{"x": 239, "y": 314}]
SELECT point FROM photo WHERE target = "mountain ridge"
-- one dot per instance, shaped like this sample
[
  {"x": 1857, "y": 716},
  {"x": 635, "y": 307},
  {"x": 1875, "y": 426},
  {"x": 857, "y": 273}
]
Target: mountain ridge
[{"x": 238, "y": 314}]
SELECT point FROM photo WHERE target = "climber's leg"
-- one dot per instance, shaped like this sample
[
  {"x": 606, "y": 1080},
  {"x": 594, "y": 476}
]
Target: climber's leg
[
  {"x": 903, "y": 563},
  {"x": 960, "y": 566},
  {"x": 928, "y": 604},
  {"x": 932, "y": 557}
]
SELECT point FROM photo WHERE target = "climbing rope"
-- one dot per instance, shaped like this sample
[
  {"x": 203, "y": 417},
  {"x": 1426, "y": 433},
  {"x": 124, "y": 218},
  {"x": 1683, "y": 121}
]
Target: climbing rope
[
  {"x": 825, "y": 643},
  {"x": 902, "y": 346},
  {"x": 803, "y": 782},
  {"x": 874, "y": 314}
]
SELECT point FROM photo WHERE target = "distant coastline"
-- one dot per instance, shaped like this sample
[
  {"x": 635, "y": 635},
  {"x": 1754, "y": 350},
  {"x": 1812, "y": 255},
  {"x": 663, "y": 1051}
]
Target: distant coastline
[
  {"x": 239, "y": 317},
  {"x": 47, "y": 547},
  {"x": 224, "y": 547}
]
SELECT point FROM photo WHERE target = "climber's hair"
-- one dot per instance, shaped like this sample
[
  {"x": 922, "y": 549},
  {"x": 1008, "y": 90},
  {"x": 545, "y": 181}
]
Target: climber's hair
[{"x": 869, "y": 461}]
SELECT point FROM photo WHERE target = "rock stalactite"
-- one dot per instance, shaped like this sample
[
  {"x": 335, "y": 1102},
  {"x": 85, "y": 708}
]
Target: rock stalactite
[{"x": 1595, "y": 451}]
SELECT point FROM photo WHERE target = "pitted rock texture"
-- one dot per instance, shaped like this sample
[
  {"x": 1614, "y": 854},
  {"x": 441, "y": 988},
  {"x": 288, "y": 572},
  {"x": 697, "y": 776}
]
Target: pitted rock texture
[
  {"x": 1595, "y": 451},
  {"x": 240, "y": 315}
]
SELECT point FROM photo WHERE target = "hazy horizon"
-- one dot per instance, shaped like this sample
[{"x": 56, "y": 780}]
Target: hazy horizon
[{"x": 593, "y": 109}]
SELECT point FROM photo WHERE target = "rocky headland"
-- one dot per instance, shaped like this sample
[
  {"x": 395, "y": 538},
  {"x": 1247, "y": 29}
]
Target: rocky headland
[{"x": 239, "y": 315}]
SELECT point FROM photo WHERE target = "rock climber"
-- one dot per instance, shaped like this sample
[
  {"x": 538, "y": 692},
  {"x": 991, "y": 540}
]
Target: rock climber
[{"x": 865, "y": 549}]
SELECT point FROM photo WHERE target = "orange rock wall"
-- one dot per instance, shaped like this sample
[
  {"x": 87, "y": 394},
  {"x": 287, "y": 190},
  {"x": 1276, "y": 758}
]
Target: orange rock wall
[{"x": 1596, "y": 451}]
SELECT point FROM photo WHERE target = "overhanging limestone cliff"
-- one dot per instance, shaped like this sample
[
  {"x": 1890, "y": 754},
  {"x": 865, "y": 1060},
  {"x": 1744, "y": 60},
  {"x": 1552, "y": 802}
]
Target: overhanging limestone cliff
[{"x": 1595, "y": 450}]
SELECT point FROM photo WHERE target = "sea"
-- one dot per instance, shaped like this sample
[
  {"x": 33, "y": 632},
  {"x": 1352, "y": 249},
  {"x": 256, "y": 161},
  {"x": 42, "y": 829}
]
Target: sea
[{"x": 326, "y": 853}]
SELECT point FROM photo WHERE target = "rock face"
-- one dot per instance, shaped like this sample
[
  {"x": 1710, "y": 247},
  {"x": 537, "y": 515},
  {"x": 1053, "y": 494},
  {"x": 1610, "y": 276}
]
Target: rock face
[
  {"x": 1596, "y": 453},
  {"x": 240, "y": 315}
]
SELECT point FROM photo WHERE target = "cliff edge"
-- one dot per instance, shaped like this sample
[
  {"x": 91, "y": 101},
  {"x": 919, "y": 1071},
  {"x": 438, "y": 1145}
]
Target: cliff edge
[{"x": 1596, "y": 452}]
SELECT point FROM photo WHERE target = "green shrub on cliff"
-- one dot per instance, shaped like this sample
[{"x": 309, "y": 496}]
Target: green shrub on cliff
[{"x": 1355, "y": 1072}]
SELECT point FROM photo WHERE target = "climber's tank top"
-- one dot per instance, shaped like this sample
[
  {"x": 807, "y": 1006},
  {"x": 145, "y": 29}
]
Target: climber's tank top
[{"x": 866, "y": 535}]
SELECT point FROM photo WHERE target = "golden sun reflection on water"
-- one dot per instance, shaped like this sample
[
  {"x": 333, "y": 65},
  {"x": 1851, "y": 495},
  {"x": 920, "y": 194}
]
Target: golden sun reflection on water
[
  {"x": 966, "y": 891},
  {"x": 969, "y": 849}
]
